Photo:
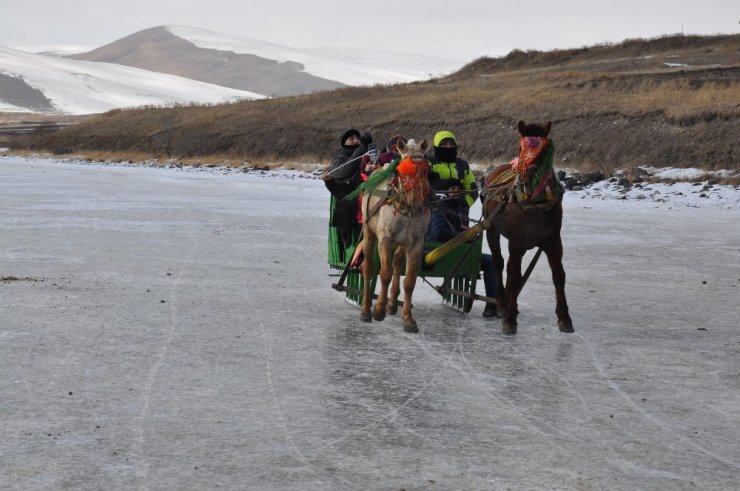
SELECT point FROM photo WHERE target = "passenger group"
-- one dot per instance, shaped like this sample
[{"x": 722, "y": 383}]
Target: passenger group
[{"x": 450, "y": 177}]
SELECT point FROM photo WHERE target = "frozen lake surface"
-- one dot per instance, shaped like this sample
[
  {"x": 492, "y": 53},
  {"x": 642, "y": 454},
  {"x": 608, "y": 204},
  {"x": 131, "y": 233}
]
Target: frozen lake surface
[{"x": 172, "y": 329}]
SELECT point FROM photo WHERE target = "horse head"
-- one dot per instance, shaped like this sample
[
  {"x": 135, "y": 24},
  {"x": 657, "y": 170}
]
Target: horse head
[
  {"x": 412, "y": 149},
  {"x": 534, "y": 163},
  {"x": 413, "y": 177}
]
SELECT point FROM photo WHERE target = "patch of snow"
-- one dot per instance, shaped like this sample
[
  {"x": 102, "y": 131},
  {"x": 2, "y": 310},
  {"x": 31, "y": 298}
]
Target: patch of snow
[
  {"x": 686, "y": 174},
  {"x": 674, "y": 65},
  {"x": 10, "y": 108},
  {"x": 680, "y": 195}
]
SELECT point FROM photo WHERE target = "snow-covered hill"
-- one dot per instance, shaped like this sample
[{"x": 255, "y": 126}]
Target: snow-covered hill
[
  {"x": 263, "y": 67},
  {"x": 82, "y": 87},
  {"x": 351, "y": 66}
]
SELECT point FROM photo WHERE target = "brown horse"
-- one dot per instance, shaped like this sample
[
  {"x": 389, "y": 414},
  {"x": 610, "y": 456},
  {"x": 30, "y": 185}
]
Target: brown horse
[
  {"x": 523, "y": 201},
  {"x": 396, "y": 214}
]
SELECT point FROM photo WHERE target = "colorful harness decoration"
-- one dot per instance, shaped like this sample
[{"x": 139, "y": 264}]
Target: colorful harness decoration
[
  {"x": 408, "y": 190},
  {"x": 530, "y": 148},
  {"x": 412, "y": 187},
  {"x": 543, "y": 184}
]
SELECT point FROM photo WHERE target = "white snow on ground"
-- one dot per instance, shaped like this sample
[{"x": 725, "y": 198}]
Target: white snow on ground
[
  {"x": 10, "y": 108},
  {"x": 689, "y": 173},
  {"x": 606, "y": 194},
  {"x": 347, "y": 65},
  {"x": 84, "y": 87}
]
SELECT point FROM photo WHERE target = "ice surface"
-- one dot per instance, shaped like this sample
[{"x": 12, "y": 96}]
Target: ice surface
[{"x": 174, "y": 329}]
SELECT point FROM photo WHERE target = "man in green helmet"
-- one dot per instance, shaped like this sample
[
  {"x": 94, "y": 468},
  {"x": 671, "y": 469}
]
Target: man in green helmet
[{"x": 451, "y": 177}]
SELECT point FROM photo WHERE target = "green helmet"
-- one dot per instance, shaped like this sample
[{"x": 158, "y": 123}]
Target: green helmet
[{"x": 444, "y": 135}]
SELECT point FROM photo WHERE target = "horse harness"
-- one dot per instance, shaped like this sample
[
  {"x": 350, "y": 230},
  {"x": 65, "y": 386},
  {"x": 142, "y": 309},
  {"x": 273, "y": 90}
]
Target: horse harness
[
  {"x": 508, "y": 183},
  {"x": 408, "y": 190}
]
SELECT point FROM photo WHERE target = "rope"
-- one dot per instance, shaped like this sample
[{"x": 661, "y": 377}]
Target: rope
[{"x": 328, "y": 173}]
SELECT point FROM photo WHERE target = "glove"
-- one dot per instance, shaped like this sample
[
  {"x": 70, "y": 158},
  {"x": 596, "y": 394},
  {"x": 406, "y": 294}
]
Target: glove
[
  {"x": 366, "y": 139},
  {"x": 372, "y": 152}
]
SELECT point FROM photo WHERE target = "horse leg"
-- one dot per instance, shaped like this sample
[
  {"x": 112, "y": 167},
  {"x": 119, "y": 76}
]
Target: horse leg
[
  {"x": 513, "y": 283},
  {"x": 555, "y": 258},
  {"x": 386, "y": 273},
  {"x": 368, "y": 270},
  {"x": 494, "y": 243},
  {"x": 398, "y": 257},
  {"x": 413, "y": 259}
]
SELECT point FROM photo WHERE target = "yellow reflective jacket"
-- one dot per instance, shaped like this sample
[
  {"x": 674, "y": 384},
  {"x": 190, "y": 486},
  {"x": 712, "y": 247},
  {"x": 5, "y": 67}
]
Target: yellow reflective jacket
[{"x": 452, "y": 170}]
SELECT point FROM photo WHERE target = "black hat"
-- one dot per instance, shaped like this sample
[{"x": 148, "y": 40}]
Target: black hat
[
  {"x": 392, "y": 145},
  {"x": 347, "y": 133}
]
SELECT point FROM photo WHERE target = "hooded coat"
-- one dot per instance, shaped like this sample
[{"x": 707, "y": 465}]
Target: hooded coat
[{"x": 345, "y": 180}]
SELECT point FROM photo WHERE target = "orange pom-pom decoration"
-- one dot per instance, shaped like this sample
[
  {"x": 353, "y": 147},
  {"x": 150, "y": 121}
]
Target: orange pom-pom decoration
[{"x": 406, "y": 167}]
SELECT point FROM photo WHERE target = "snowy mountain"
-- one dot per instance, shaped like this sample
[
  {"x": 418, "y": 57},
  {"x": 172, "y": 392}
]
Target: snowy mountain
[
  {"x": 259, "y": 66},
  {"x": 350, "y": 66},
  {"x": 179, "y": 65},
  {"x": 42, "y": 83}
]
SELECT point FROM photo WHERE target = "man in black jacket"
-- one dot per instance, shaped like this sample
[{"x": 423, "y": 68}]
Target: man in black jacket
[{"x": 342, "y": 178}]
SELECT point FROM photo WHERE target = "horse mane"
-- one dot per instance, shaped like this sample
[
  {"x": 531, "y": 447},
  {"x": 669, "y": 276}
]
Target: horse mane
[
  {"x": 374, "y": 180},
  {"x": 545, "y": 162}
]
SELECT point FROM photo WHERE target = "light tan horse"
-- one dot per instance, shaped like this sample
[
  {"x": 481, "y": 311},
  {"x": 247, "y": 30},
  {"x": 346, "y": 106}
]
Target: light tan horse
[{"x": 396, "y": 214}]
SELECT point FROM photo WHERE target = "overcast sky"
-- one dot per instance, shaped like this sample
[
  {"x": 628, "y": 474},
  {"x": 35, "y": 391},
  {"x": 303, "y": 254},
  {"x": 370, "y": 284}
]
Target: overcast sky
[{"x": 458, "y": 29}]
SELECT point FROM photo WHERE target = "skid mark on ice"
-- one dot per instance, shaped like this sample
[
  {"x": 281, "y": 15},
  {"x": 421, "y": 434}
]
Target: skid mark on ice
[
  {"x": 531, "y": 422},
  {"x": 298, "y": 453},
  {"x": 636, "y": 407},
  {"x": 392, "y": 414},
  {"x": 141, "y": 466}
]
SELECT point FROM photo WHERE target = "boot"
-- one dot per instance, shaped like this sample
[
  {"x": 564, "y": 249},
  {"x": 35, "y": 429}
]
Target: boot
[{"x": 490, "y": 311}]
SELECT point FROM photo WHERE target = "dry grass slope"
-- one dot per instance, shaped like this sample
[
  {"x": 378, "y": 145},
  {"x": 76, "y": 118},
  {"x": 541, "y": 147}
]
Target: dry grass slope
[{"x": 671, "y": 101}]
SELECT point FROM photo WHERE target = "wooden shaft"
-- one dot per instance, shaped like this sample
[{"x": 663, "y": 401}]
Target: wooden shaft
[{"x": 452, "y": 244}]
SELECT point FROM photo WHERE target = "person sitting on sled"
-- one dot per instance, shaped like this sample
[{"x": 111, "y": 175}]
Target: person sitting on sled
[
  {"x": 451, "y": 178},
  {"x": 342, "y": 178}
]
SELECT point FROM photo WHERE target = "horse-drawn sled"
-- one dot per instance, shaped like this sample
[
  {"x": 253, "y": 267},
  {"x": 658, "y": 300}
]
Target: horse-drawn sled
[
  {"x": 395, "y": 210},
  {"x": 455, "y": 274}
]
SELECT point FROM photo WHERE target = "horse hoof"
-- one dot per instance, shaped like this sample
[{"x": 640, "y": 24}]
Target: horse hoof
[
  {"x": 392, "y": 309},
  {"x": 366, "y": 317},
  {"x": 508, "y": 327},
  {"x": 565, "y": 326},
  {"x": 378, "y": 316},
  {"x": 410, "y": 326}
]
